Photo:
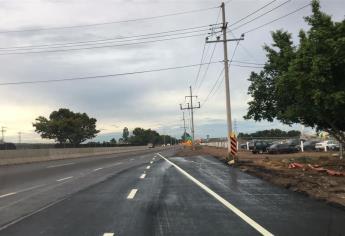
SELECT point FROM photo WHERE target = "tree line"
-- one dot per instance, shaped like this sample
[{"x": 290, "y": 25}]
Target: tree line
[
  {"x": 271, "y": 133},
  {"x": 70, "y": 129}
]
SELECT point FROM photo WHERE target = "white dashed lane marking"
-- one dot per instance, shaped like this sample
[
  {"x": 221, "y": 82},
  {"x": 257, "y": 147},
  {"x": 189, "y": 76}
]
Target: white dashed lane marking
[
  {"x": 8, "y": 194},
  {"x": 142, "y": 176},
  {"x": 59, "y": 180},
  {"x": 108, "y": 234},
  {"x": 148, "y": 167},
  {"x": 98, "y": 169},
  {"x": 131, "y": 195}
]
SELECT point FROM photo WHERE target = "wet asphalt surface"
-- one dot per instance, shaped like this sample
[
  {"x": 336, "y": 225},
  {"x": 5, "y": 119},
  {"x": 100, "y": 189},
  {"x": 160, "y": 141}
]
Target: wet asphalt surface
[{"x": 166, "y": 202}]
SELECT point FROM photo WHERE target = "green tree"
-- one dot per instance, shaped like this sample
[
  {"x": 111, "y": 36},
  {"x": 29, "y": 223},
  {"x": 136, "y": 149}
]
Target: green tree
[
  {"x": 185, "y": 136},
  {"x": 112, "y": 141},
  {"x": 65, "y": 126},
  {"x": 125, "y": 134},
  {"x": 305, "y": 83}
]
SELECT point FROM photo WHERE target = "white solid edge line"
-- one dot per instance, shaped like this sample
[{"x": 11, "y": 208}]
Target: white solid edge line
[
  {"x": 67, "y": 164},
  {"x": 227, "y": 204},
  {"x": 148, "y": 167},
  {"x": 108, "y": 234},
  {"x": 59, "y": 180},
  {"x": 131, "y": 195},
  {"x": 8, "y": 194},
  {"x": 142, "y": 176}
]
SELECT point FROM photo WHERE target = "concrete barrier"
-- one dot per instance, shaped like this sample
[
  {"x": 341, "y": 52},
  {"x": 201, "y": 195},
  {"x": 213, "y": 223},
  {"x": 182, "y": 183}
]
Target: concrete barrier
[{"x": 8, "y": 157}]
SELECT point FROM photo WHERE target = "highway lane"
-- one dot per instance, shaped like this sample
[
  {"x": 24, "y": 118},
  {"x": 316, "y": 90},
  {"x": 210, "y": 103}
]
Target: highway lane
[
  {"x": 181, "y": 196},
  {"x": 27, "y": 187}
]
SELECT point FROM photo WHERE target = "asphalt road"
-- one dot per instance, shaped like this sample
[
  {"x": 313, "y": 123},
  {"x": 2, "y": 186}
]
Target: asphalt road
[{"x": 154, "y": 194}]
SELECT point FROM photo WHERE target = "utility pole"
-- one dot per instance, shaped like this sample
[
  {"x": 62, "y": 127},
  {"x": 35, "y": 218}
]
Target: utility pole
[
  {"x": 226, "y": 73},
  {"x": 3, "y": 130},
  {"x": 184, "y": 127},
  {"x": 191, "y": 108},
  {"x": 19, "y": 137}
]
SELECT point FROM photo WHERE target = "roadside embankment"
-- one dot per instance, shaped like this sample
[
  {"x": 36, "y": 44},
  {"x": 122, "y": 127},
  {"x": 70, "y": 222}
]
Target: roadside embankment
[
  {"x": 21, "y": 156},
  {"x": 319, "y": 175}
]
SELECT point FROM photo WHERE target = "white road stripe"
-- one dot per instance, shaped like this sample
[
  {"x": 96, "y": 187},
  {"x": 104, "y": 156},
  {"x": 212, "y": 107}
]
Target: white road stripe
[
  {"x": 30, "y": 188},
  {"x": 227, "y": 204},
  {"x": 142, "y": 176},
  {"x": 8, "y": 194},
  {"x": 108, "y": 234},
  {"x": 67, "y": 164},
  {"x": 131, "y": 195},
  {"x": 97, "y": 169},
  {"x": 148, "y": 167},
  {"x": 69, "y": 177},
  {"x": 151, "y": 162}
]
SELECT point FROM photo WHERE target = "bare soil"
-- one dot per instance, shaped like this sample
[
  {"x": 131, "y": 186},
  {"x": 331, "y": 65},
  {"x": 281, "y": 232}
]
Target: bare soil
[{"x": 275, "y": 169}]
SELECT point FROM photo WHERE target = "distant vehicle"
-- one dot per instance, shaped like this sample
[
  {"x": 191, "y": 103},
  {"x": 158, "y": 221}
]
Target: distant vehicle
[
  {"x": 308, "y": 145},
  {"x": 260, "y": 146},
  {"x": 293, "y": 142},
  {"x": 328, "y": 144},
  {"x": 7, "y": 146},
  {"x": 150, "y": 145},
  {"x": 282, "y": 148},
  {"x": 243, "y": 146},
  {"x": 168, "y": 144}
]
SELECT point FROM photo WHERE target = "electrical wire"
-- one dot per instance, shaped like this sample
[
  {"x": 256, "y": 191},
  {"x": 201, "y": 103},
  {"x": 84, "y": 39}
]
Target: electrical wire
[
  {"x": 203, "y": 51},
  {"x": 263, "y": 14},
  {"x": 243, "y": 18},
  {"x": 109, "y": 22},
  {"x": 270, "y": 22},
  {"x": 103, "y": 76},
  {"x": 103, "y": 46},
  {"x": 207, "y": 67},
  {"x": 118, "y": 39}
]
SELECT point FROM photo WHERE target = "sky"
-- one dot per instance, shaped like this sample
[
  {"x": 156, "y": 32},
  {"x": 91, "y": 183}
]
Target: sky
[{"x": 148, "y": 100}]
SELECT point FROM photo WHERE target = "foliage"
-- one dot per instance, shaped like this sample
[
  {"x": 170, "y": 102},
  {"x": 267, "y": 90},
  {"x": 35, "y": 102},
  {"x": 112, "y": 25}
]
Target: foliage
[
  {"x": 112, "y": 141},
  {"x": 305, "y": 83},
  {"x": 144, "y": 136},
  {"x": 271, "y": 134},
  {"x": 125, "y": 134},
  {"x": 185, "y": 136},
  {"x": 65, "y": 126}
]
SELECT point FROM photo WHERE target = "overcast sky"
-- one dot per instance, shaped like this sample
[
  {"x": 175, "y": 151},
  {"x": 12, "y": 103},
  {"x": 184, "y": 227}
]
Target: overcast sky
[{"x": 148, "y": 100}]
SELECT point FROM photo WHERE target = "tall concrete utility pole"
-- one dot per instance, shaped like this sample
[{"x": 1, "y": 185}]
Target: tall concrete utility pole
[
  {"x": 191, "y": 108},
  {"x": 3, "y": 130},
  {"x": 184, "y": 126},
  {"x": 226, "y": 73},
  {"x": 19, "y": 137}
]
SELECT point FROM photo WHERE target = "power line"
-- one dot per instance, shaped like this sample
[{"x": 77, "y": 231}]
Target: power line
[
  {"x": 201, "y": 61},
  {"x": 109, "y": 22},
  {"x": 207, "y": 67},
  {"x": 103, "y": 76},
  {"x": 232, "y": 57},
  {"x": 263, "y": 14},
  {"x": 249, "y": 63},
  {"x": 270, "y": 22},
  {"x": 203, "y": 51},
  {"x": 103, "y": 46},
  {"x": 252, "y": 13},
  {"x": 118, "y": 39}
]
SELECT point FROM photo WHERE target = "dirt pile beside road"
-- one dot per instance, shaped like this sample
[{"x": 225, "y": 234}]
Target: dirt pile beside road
[{"x": 309, "y": 176}]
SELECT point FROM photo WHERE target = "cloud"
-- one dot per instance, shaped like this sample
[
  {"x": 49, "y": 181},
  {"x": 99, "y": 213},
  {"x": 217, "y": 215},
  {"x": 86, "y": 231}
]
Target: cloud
[{"x": 149, "y": 100}]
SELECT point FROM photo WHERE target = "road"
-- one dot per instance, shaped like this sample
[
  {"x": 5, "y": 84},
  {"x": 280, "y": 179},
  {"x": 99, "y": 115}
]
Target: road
[{"x": 153, "y": 194}]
